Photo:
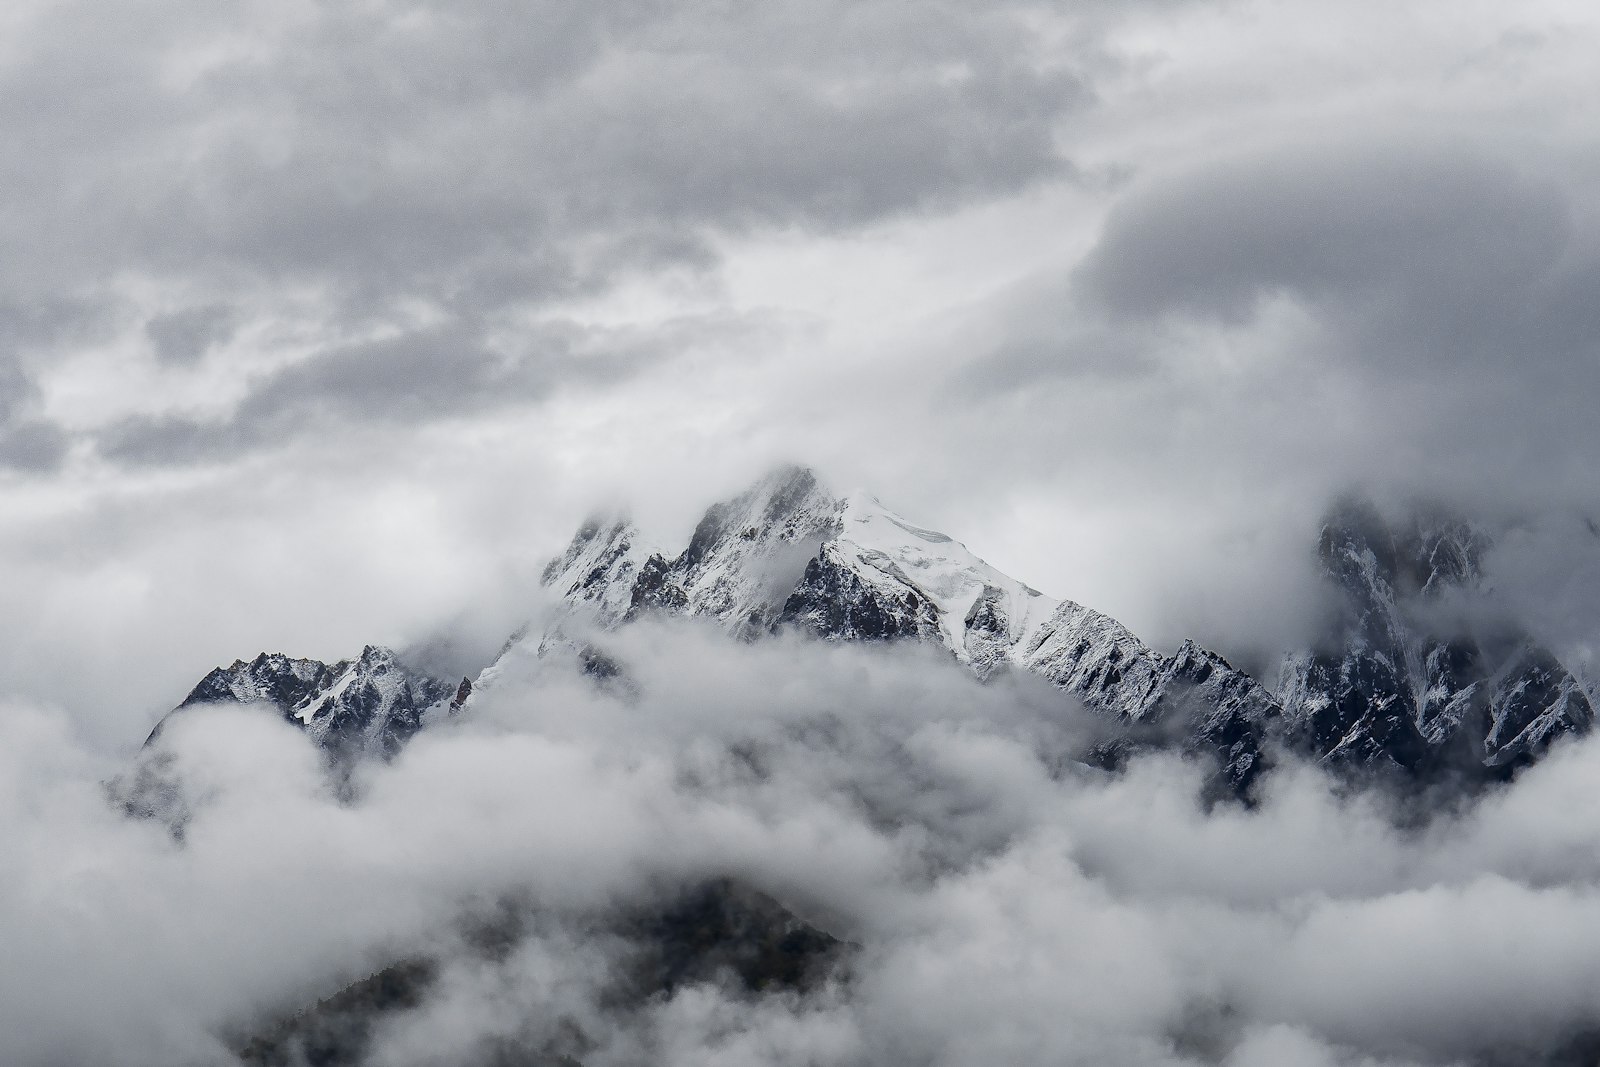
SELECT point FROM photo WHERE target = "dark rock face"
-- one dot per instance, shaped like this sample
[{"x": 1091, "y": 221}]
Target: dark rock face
[
  {"x": 832, "y": 601},
  {"x": 370, "y": 705},
  {"x": 1365, "y": 716},
  {"x": 1397, "y": 683},
  {"x": 1532, "y": 701},
  {"x": 463, "y": 694},
  {"x": 1362, "y": 707},
  {"x": 379, "y": 701},
  {"x": 271, "y": 678},
  {"x": 1452, "y": 672},
  {"x": 655, "y": 589}
]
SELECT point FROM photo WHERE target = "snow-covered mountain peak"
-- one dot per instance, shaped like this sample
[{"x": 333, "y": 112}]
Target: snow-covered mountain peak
[
  {"x": 1400, "y": 678},
  {"x": 599, "y": 568},
  {"x": 791, "y": 551},
  {"x": 788, "y": 505},
  {"x": 376, "y": 658},
  {"x": 271, "y": 678},
  {"x": 747, "y": 553},
  {"x": 862, "y": 509},
  {"x": 982, "y": 613},
  {"x": 372, "y": 703}
]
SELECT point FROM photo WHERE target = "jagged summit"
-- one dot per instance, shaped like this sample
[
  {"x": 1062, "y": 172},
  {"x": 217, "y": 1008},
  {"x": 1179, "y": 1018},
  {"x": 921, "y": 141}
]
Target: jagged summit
[
  {"x": 599, "y": 567},
  {"x": 374, "y": 703},
  {"x": 747, "y": 552},
  {"x": 1396, "y": 680},
  {"x": 791, "y": 553},
  {"x": 271, "y": 678}
]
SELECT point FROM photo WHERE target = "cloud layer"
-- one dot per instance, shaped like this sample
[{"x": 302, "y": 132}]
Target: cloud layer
[
  {"x": 1009, "y": 907},
  {"x": 396, "y": 183}
]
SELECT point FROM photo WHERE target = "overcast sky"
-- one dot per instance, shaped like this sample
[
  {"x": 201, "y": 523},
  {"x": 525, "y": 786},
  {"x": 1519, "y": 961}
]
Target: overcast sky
[{"x": 325, "y": 323}]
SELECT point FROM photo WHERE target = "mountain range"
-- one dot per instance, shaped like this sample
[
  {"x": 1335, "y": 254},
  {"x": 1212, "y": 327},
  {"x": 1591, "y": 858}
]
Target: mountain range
[{"x": 1402, "y": 681}]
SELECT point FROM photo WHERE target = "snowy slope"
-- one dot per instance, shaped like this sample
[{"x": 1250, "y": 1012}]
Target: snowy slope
[
  {"x": 789, "y": 552},
  {"x": 599, "y": 568},
  {"x": 981, "y": 615},
  {"x": 747, "y": 554},
  {"x": 1194, "y": 700},
  {"x": 1096, "y": 657},
  {"x": 1204, "y": 704}
]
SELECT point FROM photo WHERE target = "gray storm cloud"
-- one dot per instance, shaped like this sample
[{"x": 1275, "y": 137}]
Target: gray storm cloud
[
  {"x": 1007, "y": 907},
  {"x": 473, "y": 159},
  {"x": 1427, "y": 233},
  {"x": 1111, "y": 291}
]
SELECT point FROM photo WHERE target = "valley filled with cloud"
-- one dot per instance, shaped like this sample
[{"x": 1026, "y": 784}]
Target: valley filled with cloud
[{"x": 998, "y": 902}]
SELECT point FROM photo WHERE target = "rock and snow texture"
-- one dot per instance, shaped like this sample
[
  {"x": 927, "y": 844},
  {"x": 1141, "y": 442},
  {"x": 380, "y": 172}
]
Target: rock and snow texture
[
  {"x": 373, "y": 703},
  {"x": 882, "y": 577},
  {"x": 1096, "y": 657},
  {"x": 1194, "y": 700},
  {"x": 788, "y": 553},
  {"x": 1410, "y": 673},
  {"x": 1391, "y": 685},
  {"x": 270, "y": 678},
  {"x": 599, "y": 569},
  {"x": 746, "y": 554},
  {"x": 1213, "y": 707}
]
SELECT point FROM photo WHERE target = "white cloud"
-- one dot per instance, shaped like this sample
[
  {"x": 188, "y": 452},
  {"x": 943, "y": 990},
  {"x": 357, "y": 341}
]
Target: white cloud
[{"x": 1007, "y": 910}]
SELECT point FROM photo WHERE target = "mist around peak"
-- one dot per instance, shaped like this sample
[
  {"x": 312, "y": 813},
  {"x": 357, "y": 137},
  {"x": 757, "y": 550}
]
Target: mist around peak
[{"x": 1004, "y": 902}]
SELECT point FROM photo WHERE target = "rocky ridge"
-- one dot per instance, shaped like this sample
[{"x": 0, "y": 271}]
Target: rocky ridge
[
  {"x": 1386, "y": 688},
  {"x": 1406, "y": 677},
  {"x": 372, "y": 704}
]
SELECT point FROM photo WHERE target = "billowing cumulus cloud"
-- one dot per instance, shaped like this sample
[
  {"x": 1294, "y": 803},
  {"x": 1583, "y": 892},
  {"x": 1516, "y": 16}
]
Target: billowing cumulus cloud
[{"x": 1006, "y": 905}]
